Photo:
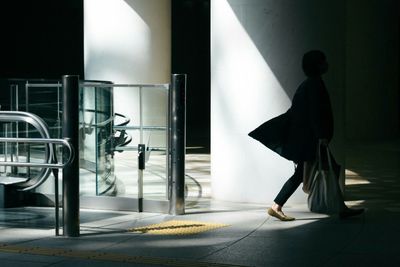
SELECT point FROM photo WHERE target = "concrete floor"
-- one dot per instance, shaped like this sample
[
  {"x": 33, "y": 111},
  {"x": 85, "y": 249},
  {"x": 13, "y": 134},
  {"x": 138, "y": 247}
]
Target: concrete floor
[{"x": 251, "y": 239}]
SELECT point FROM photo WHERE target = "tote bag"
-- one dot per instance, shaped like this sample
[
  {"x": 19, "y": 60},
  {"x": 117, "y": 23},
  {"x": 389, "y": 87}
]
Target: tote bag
[
  {"x": 309, "y": 170},
  {"x": 325, "y": 195}
]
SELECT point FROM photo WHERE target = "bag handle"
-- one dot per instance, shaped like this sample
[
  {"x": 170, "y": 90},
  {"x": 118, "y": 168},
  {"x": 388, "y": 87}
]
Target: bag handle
[{"x": 328, "y": 156}]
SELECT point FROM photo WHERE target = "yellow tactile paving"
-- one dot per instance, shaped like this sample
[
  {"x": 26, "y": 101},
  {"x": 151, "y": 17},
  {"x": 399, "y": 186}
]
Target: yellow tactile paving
[
  {"x": 175, "y": 227},
  {"x": 82, "y": 254},
  {"x": 45, "y": 251},
  {"x": 104, "y": 256}
]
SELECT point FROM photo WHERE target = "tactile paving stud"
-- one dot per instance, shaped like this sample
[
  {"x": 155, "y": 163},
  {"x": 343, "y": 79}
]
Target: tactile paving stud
[{"x": 175, "y": 227}]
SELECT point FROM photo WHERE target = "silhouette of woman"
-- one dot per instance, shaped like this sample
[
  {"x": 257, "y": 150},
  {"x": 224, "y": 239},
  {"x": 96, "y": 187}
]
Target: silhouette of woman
[{"x": 309, "y": 123}]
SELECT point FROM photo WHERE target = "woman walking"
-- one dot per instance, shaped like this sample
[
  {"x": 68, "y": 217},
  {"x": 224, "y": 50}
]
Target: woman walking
[{"x": 309, "y": 124}]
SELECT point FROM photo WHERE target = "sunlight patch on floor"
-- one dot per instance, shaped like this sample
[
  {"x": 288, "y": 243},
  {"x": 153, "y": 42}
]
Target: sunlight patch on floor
[{"x": 353, "y": 178}]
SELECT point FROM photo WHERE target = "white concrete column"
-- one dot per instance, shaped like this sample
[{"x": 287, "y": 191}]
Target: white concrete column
[{"x": 256, "y": 52}]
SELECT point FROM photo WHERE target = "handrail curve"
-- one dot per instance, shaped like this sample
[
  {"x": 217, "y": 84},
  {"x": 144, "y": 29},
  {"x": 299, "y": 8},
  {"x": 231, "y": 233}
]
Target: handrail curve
[{"x": 40, "y": 125}]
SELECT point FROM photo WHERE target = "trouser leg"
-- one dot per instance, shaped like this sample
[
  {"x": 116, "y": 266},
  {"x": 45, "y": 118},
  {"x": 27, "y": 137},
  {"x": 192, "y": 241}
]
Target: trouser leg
[{"x": 291, "y": 185}]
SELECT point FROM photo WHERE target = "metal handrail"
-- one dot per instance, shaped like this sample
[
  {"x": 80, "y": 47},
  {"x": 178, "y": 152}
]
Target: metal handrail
[
  {"x": 44, "y": 85},
  {"x": 101, "y": 85},
  {"x": 147, "y": 128},
  {"x": 41, "y": 127},
  {"x": 88, "y": 84},
  {"x": 63, "y": 142}
]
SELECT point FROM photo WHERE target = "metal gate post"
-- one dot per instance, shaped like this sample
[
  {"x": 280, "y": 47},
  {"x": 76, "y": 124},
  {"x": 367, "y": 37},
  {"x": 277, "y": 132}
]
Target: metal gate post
[
  {"x": 70, "y": 129},
  {"x": 177, "y": 144},
  {"x": 141, "y": 167}
]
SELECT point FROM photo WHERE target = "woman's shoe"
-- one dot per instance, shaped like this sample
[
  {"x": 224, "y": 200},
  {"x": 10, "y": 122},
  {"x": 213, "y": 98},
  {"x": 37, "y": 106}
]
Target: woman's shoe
[{"x": 280, "y": 215}]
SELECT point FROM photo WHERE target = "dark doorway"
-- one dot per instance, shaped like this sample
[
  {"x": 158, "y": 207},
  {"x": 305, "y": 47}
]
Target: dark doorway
[
  {"x": 191, "y": 55},
  {"x": 41, "y": 39}
]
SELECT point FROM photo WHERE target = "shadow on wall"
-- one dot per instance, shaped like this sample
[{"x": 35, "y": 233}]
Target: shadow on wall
[
  {"x": 127, "y": 41},
  {"x": 372, "y": 70},
  {"x": 257, "y": 47},
  {"x": 283, "y": 31},
  {"x": 159, "y": 33}
]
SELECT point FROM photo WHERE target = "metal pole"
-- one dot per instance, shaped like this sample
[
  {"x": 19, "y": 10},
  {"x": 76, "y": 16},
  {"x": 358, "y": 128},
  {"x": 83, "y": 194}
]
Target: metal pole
[
  {"x": 70, "y": 129},
  {"x": 141, "y": 167},
  {"x": 27, "y": 146},
  {"x": 141, "y": 153},
  {"x": 141, "y": 113},
  {"x": 177, "y": 141},
  {"x": 56, "y": 201}
]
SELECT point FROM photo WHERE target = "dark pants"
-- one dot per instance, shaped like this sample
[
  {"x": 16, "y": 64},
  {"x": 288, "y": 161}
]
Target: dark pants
[{"x": 291, "y": 185}]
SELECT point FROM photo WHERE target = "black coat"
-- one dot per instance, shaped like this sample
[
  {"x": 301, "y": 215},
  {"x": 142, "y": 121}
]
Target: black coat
[{"x": 294, "y": 135}]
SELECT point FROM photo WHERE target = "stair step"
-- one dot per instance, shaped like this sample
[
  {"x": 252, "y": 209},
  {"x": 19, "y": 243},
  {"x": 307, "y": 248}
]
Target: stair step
[{"x": 7, "y": 180}]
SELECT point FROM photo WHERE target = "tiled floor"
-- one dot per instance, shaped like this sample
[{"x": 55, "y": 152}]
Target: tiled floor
[{"x": 251, "y": 239}]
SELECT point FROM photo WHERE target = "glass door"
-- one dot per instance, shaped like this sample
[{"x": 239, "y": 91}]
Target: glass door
[
  {"x": 124, "y": 146},
  {"x": 114, "y": 120}
]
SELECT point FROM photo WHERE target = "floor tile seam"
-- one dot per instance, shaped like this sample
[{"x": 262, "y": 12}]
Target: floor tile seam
[
  {"x": 55, "y": 263},
  {"x": 228, "y": 210},
  {"x": 234, "y": 242},
  {"x": 135, "y": 220},
  {"x": 125, "y": 218},
  {"x": 124, "y": 236},
  {"x": 27, "y": 241},
  {"x": 23, "y": 226},
  {"x": 105, "y": 231},
  {"x": 60, "y": 238},
  {"x": 127, "y": 239},
  {"x": 96, "y": 255},
  {"x": 337, "y": 252},
  {"x": 64, "y": 248},
  {"x": 100, "y": 229},
  {"x": 346, "y": 245},
  {"x": 30, "y": 261}
]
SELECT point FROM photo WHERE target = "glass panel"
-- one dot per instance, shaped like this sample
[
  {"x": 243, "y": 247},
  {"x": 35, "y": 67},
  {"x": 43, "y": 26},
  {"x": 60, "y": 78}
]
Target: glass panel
[
  {"x": 146, "y": 109},
  {"x": 43, "y": 100},
  {"x": 113, "y": 121},
  {"x": 96, "y": 142},
  {"x": 21, "y": 152},
  {"x": 140, "y": 116},
  {"x": 126, "y": 140},
  {"x": 104, "y": 121},
  {"x": 87, "y": 142},
  {"x": 154, "y": 109}
]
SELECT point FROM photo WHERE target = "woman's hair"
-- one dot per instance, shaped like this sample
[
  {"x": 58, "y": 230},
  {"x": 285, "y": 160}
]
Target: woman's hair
[{"x": 311, "y": 62}]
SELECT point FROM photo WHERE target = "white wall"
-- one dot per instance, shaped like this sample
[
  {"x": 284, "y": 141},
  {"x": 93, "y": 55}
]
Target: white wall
[
  {"x": 129, "y": 41},
  {"x": 256, "y": 51}
]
